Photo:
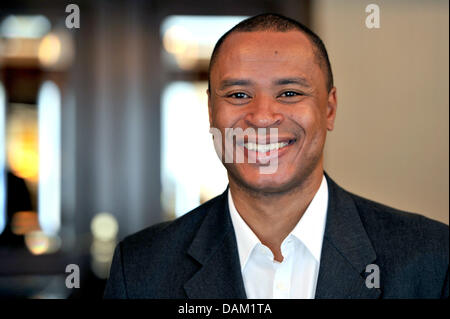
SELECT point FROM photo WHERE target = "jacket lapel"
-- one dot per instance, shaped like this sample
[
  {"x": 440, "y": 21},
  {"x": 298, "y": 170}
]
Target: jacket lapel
[
  {"x": 346, "y": 250},
  {"x": 215, "y": 248}
]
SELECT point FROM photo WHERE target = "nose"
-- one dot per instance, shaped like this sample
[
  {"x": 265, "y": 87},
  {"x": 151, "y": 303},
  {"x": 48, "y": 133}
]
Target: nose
[{"x": 263, "y": 113}]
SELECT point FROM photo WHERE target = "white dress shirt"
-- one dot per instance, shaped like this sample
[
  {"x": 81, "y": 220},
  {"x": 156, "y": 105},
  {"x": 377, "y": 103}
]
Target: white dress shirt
[{"x": 296, "y": 276}]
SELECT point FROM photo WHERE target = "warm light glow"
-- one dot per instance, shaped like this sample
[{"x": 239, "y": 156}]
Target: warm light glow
[
  {"x": 39, "y": 243},
  {"x": 180, "y": 42},
  {"x": 20, "y": 48},
  {"x": 188, "y": 60},
  {"x": 2, "y": 160},
  {"x": 24, "y": 222},
  {"x": 177, "y": 39},
  {"x": 23, "y": 155},
  {"x": 191, "y": 39},
  {"x": 104, "y": 227},
  {"x": 49, "y": 50},
  {"x": 22, "y": 147},
  {"x": 56, "y": 51}
]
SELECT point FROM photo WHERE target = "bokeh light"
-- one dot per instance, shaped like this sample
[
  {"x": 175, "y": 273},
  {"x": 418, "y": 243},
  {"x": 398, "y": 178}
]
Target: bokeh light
[
  {"x": 49, "y": 50},
  {"x": 104, "y": 227},
  {"x": 39, "y": 243}
]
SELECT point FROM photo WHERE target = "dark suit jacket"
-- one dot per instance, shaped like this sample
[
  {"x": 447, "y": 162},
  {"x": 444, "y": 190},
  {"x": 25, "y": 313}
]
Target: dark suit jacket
[{"x": 195, "y": 256}]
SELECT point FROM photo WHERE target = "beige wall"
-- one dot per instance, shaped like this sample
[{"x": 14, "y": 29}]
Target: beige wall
[{"x": 391, "y": 139}]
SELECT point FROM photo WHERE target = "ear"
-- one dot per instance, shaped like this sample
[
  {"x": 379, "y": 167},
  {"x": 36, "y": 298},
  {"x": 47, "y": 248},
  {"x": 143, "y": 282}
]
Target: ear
[
  {"x": 331, "y": 108},
  {"x": 209, "y": 107}
]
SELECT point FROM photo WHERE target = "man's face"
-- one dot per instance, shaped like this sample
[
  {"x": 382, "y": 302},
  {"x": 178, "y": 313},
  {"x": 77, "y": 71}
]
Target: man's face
[{"x": 272, "y": 80}]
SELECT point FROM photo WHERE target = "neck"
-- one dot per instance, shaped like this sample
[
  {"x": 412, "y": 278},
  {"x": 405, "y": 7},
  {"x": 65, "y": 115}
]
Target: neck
[{"x": 273, "y": 216}]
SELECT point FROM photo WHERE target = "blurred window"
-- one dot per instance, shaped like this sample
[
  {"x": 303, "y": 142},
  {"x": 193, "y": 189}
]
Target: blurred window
[
  {"x": 49, "y": 117},
  {"x": 191, "y": 172}
]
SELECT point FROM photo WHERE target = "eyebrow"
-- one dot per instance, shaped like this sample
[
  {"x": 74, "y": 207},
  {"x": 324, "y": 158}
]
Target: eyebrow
[
  {"x": 296, "y": 80},
  {"x": 246, "y": 82},
  {"x": 234, "y": 82}
]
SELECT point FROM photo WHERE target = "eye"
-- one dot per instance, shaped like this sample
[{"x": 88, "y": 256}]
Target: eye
[
  {"x": 239, "y": 95},
  {"x": 290, "y": 94}
]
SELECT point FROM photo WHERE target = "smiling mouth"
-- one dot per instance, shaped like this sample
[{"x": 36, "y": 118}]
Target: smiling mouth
[{"x": 264, "y": 148}]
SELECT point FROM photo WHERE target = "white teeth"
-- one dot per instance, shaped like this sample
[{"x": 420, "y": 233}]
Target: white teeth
[{"x": 262, "y": 148}]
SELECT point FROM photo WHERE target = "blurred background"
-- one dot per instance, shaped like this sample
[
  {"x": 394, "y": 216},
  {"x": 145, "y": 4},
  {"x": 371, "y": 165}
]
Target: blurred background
[{"x": 104, "y": 126}]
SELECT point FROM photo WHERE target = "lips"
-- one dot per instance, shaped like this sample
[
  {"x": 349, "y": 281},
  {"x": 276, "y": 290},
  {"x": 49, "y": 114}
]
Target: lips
[
  {"x": 264, "y": 148},
  {"x": 263, "y": 153}
]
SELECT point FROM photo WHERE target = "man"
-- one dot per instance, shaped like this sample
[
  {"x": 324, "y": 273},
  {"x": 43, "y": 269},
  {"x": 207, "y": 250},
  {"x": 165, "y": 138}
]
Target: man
[{"x": 291, "y": 233}]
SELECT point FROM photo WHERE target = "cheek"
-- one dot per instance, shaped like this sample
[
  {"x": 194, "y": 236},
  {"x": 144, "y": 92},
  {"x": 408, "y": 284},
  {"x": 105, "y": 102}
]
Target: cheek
[
  {"x": 309, "y": 119},
  {"x": 218, "y": 116},
  {"x": 224, "y": 117}
]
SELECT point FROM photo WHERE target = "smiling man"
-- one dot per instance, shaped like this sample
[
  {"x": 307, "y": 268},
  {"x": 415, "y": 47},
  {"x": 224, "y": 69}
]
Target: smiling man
[{"x": 292, "y": 232}]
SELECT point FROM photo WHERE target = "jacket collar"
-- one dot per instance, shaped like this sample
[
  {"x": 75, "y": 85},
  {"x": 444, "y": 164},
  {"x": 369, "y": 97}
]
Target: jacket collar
[
  {"x": 346, "y": 252},
  {"x": 215, "y": 248}
]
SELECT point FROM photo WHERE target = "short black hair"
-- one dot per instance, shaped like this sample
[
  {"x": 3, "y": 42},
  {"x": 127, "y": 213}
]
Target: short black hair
[{"x": 278, "y": 23}]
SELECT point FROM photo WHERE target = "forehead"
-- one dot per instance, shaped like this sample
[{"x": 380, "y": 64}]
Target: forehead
[{"x": 265, "y": 53}]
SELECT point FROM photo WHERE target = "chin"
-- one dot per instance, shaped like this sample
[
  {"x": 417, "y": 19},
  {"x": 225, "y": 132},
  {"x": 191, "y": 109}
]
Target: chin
[
  {"x": 284, "y": 180},
  {"x": 253, "y": 181}
]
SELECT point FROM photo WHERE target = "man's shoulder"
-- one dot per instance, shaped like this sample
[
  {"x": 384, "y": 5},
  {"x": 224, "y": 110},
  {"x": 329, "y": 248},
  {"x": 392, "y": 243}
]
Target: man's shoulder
[
  {"x": 394, "y": 227},
  {"x": 411, "y": 250},
  {"x": 394, "y": 218},
  {"x": 385, "y": 222}
]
